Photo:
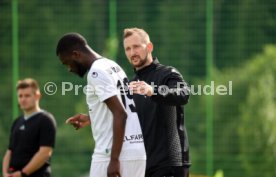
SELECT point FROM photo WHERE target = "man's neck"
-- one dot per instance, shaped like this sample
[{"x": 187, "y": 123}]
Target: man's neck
[
  {"x": 91, "y": 58},
  {"x": 31, "y": 111},
  {"x": 149, "y": 62}
]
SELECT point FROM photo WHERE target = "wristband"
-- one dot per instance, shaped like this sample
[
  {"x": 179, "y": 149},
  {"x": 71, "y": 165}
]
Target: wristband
[{"x": 23, "y": 174}]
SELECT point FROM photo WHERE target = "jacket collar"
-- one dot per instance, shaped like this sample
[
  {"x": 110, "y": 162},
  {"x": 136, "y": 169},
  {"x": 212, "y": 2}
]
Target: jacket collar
[{"x": 148, "y": 68}]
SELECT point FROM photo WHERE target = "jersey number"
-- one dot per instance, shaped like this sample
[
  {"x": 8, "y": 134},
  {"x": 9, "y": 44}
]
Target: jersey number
[{"x": 123, "y": 87}]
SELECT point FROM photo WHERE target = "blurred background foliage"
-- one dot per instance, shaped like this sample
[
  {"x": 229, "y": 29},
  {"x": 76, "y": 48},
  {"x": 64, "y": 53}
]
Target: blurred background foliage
[{"x": 244, "y": 40}]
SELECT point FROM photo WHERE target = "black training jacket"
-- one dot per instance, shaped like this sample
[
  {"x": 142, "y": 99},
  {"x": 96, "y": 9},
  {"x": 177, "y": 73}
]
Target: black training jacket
[{"x": 162, "y": 116}]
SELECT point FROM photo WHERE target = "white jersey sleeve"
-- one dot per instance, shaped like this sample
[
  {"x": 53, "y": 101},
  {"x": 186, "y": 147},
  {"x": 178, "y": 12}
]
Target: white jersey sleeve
[{"x": 102, "y": 83}]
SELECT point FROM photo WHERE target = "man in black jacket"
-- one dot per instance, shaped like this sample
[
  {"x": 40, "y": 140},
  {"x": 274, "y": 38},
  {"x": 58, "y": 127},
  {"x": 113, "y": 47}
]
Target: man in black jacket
[{"x": 159, "y": 93}]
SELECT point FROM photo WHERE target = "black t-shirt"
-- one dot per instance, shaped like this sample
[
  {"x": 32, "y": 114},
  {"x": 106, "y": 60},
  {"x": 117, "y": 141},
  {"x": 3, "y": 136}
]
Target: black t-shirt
[{"x": 28, "y": 135}]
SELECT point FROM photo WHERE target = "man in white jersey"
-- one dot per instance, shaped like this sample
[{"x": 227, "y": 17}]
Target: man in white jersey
[{"x": 119, "y": 146}]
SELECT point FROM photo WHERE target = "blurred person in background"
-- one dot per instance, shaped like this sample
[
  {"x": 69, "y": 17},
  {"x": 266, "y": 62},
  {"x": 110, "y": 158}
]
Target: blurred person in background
[
  {"x": 32, "y": 136},
  {"x": 159, "y": 94}
]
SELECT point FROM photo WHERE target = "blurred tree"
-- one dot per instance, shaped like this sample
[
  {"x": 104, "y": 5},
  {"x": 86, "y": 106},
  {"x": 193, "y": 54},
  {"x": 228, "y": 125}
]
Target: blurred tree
[
  {"x": 244, "y": 125},
  {"x": 257, "y": 128}
]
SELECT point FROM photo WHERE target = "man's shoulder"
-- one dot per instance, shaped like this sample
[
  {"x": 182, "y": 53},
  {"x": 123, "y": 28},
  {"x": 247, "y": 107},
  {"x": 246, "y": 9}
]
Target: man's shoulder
[
  {"x": 102, "y": 63},
  {"x": 45, "y": 116},
  {"x": 100, "y": 66},
  {"x": 161, "y": 66},
  {"x": 166, "y": 69}
]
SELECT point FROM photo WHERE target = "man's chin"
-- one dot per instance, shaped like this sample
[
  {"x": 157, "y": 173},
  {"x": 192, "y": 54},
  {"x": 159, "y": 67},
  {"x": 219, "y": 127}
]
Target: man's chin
[
  {"x": 137, "y": 65},
  {"x": 25, "y": 108}
]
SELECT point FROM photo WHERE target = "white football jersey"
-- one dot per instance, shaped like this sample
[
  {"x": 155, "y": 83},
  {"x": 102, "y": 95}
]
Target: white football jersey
[{"x": 104, "y": 80}]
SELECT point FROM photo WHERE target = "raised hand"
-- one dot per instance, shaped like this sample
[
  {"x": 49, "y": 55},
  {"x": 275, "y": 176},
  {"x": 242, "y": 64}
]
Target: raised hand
[
  {"x": 78, "y": 121},
  {"x": 141, "y": 87}
]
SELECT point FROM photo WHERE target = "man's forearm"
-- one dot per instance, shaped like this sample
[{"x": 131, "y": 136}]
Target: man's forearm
[
  {"x": 118, "y": 136},
  {"x": 6, "y": 162},
  {"x": 38, "y": 160}
]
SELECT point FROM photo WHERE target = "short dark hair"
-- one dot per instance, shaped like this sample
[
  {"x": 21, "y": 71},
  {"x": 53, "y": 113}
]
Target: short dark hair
[
  {"x": 28, "y": 83},
  {"x": 70, "y": 42}
]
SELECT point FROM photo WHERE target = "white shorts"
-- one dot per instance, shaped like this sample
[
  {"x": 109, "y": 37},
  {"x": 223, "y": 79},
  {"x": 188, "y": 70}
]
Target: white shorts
[{"x": 129, "y": 168}]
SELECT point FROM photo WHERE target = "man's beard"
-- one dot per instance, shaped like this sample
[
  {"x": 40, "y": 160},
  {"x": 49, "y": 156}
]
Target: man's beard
[
  {"x": 81, "y": 70},
  {"x": 141, "y": 62}
]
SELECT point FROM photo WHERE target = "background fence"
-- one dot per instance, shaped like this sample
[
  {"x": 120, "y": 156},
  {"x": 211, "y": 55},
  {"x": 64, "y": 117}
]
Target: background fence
[{"x": 211, "y": 40}]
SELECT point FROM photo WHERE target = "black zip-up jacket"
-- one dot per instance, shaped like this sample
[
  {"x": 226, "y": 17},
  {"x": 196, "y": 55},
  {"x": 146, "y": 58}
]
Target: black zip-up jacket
[{"x": 162, "y": 116}]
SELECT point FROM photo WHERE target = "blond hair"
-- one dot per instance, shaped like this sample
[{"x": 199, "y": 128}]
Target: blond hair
[{"x": 142, "y": 33}]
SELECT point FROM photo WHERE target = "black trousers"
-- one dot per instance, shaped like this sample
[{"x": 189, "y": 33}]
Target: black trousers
[{"x": 180, "y": 171}]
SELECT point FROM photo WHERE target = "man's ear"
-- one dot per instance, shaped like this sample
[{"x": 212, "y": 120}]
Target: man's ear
[
  {"x": 150, "y": 47},
  {"x": 76, "y": 54},
  {"x": 37, "y": 95}
]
